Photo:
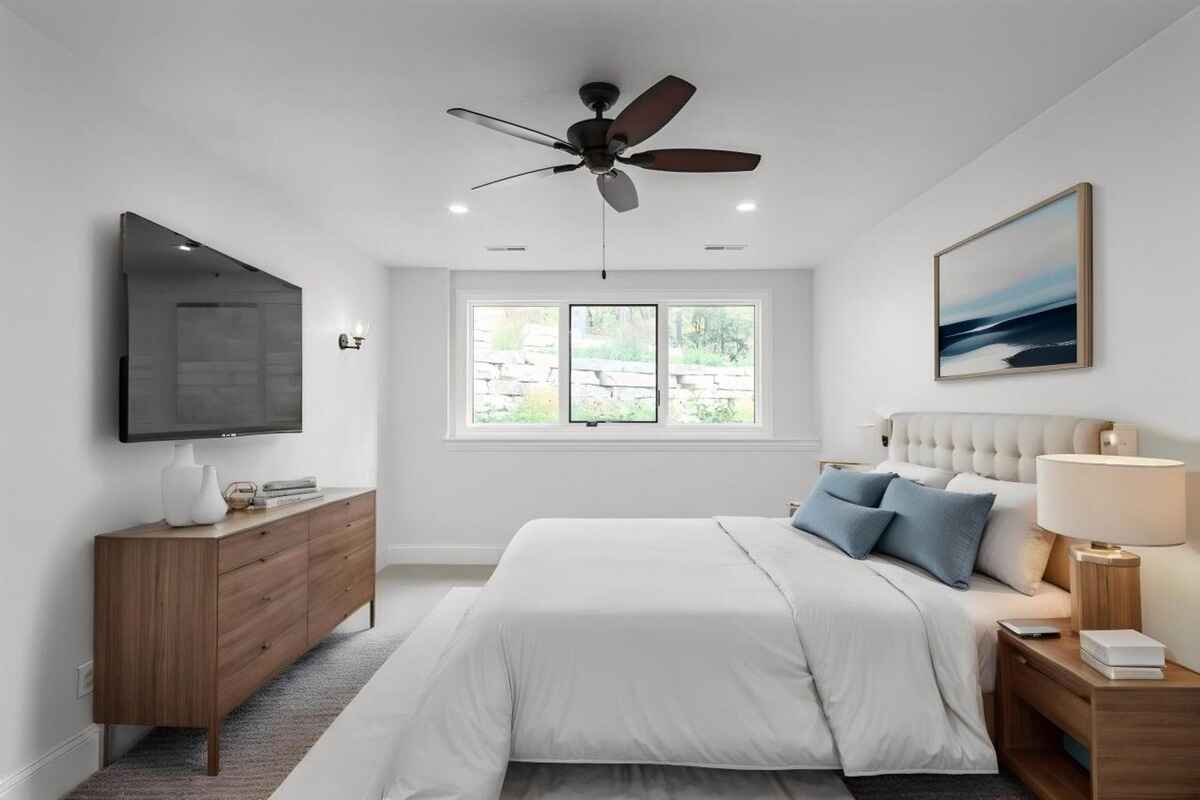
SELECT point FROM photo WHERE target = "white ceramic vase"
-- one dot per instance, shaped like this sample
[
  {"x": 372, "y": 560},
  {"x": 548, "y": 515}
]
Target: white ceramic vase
[
  {"x": 181, "y": 481},
  {"x": 210, "y": 506}
]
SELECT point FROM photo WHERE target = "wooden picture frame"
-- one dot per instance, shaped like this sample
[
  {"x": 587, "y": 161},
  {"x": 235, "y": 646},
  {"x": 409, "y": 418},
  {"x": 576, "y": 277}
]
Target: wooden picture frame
[{"x": 1014, "y": 327}]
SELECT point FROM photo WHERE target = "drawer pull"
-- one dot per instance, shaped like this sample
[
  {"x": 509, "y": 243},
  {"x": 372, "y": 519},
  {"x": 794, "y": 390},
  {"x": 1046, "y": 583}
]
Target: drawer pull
[
  {"x": 348, "y": 588},
  {"x": 1021, "y": 659},
  {"x": 266, "y": 598},
  {"x": 346, "y": 557},
  {"x": 266, "y": 645},
  {"x": 348, "y": 524},
  {"x": 264, "y": 531},
  {"x": 262, "y": 560},
  {"x": 347, "y": 503}
]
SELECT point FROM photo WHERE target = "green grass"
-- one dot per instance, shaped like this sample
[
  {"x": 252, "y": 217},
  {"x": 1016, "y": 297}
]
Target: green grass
[
  {"x": 601, "y": 411},
  {"x": 707, "y": 358},
  {"x": 616, "y": 351},
  {"x": 539, "y": 407}
]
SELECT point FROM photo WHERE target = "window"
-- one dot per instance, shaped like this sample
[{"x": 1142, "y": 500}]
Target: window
[
  {"x": 515, "y": 364},
  {"x": 711, "y": 364},
  {"x": 617, "y": 365},
  {"x": 614, "y": 363}
]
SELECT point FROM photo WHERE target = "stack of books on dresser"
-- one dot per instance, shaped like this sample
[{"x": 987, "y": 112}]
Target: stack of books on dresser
[
  {"x": 273, "y": 494},
  {"x": 1123, "y": 654}
]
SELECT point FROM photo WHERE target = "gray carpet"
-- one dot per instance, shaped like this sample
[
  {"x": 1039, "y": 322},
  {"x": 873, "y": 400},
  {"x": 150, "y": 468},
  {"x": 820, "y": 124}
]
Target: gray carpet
[
  {"x": 268, "y": 734},
  {"x": 939, "y": 787},
  {"x": 260, "y": 741}
]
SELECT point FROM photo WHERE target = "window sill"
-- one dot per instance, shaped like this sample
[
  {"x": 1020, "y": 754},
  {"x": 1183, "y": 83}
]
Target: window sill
[{"x": 732, "y": 442}]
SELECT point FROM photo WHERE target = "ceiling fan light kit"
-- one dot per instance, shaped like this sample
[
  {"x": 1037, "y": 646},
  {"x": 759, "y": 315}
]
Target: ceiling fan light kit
[{"x": 601, "y": 143}]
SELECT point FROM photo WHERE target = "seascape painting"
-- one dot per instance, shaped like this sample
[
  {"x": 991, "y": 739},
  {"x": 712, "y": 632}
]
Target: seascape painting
[{"x": 1017, "y": 297}]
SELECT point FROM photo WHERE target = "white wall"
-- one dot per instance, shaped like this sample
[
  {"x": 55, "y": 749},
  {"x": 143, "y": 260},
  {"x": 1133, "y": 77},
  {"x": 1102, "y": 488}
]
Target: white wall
[
  {"x": 72, "y": 159},
  {"x": 448, "y": 500},
  {"x": 1133, "y": 132}
]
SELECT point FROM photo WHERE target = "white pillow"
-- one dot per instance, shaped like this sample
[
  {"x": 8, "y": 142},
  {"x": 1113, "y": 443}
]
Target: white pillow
[
  {"x": 1014, "y": 549},
  {"x": 926, "y": 476}
]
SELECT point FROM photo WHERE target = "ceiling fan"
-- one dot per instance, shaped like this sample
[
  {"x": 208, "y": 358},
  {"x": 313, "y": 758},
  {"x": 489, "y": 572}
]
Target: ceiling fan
[{"x": 601, "y": 143}]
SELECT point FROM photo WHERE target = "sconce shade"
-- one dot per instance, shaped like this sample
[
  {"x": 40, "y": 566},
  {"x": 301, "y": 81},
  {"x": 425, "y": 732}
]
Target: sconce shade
[{"x": 1123, "y": 500}]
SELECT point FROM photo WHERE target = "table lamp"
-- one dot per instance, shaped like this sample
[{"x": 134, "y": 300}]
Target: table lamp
[{"x": 1110, "y": 501}]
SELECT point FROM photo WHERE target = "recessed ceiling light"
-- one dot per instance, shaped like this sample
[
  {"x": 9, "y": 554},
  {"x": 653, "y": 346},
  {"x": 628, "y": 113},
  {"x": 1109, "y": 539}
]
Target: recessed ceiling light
[
  {"x": 457, "y": 208},
  {"x": 187, "y": 246},
  {"x": 746, "y": 206}
]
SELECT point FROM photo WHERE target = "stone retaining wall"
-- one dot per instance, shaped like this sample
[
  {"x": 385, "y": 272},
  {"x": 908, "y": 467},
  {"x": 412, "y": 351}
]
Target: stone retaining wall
[{"x": 502, "y": 378}]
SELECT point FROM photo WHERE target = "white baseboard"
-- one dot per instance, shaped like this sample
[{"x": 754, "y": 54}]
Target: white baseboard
[
  {"x": 58, "y": 771},
  {"x": 442, "y": 554}
]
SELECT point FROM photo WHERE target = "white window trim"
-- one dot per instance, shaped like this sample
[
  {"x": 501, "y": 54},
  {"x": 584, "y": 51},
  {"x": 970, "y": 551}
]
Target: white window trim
[{"x": 461, "y": 374}]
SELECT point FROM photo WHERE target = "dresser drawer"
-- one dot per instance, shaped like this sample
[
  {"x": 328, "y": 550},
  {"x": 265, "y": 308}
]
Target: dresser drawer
[
  {"x": 1056, "y": 702},
  {"x": 248, "y": 637},
  {"x": 242, "y": 548},
  {"x": 237, "y": 683},
  {"x": 338, "y": 575},
  {"x": 258, "y": 587},
  {"x": 335, "y": 516},
  {"x": 341, "y": 542},
  {"x": 325, "y": 617}
]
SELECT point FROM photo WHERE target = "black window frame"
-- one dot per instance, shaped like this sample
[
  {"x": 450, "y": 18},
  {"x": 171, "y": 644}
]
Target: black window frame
[{"x": 571, "y": 367}]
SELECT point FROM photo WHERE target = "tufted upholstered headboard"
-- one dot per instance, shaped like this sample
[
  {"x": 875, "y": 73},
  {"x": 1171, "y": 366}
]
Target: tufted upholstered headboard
[{"x": 1001, "y": 446}]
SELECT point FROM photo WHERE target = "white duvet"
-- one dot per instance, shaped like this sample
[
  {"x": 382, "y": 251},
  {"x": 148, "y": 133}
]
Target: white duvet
[{"x": 738, "y": 642}]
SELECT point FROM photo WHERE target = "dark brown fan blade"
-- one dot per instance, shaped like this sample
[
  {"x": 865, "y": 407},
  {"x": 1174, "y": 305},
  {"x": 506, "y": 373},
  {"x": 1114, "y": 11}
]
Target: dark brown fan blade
[
  {"x": 546, "y": 171},
  {"x": 512, "y": 129},
  {"x": 618, "y": 190},
  {"x": 648, "y": 112},
  {"x": 692, "y": 160}
]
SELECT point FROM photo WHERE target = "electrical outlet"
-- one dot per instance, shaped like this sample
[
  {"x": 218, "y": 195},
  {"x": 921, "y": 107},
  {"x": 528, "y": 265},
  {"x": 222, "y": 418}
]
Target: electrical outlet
[{"x": 83, "y": 679}]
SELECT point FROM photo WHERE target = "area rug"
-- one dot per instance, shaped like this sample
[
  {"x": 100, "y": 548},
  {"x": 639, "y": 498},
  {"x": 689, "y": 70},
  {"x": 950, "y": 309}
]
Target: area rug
[
  {"x": 260, "y": 741},
  {"x": 635, "y": 782}
]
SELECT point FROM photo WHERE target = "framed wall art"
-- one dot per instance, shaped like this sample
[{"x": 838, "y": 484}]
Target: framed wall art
[{"x": 1017, "y": 297}]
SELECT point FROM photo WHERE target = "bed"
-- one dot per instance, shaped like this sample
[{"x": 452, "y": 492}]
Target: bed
[{"x": 732, "y": 642}]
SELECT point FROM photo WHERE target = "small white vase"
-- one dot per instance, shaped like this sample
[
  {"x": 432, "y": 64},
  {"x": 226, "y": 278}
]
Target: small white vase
[
  {"x": 210, "y": 506},
  {"x": 181, "y": 481}
]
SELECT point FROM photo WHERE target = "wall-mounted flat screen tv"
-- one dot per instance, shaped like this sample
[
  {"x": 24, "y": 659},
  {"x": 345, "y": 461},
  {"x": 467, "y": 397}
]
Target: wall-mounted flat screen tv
[{"x": 213, "y": 345}]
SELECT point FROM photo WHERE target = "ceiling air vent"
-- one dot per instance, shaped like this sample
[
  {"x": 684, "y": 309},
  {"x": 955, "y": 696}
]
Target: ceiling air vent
[
  {"x": 724, "y": 247},
  {"x": 505, "y": 248}
]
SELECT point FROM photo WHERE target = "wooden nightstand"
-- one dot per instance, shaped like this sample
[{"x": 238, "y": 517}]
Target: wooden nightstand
[
  {"x": 840, "y": 463},
  {"x": 1142, "y": 737}
]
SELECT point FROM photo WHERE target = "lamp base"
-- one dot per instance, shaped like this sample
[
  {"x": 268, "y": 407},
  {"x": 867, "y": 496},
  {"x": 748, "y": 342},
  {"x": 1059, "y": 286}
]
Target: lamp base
[{"x": 1106, "y": 588}]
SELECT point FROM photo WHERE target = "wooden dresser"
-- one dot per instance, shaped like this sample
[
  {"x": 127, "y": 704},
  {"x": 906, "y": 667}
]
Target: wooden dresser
[{"x": 189, "y": 622}]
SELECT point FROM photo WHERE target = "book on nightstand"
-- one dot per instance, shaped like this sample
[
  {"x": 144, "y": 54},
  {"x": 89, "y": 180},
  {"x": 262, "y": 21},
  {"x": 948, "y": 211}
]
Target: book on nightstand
[
  {"x": 1121, "y": 673},
  {"x": 1123, "y": 648}
]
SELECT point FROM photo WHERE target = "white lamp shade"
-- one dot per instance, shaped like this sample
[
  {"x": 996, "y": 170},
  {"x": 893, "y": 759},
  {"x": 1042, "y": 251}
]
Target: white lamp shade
[{"x": 1113, "y": 499}]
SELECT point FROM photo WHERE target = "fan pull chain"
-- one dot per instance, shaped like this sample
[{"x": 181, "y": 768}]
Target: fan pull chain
[{"x": 603, "y": 240}]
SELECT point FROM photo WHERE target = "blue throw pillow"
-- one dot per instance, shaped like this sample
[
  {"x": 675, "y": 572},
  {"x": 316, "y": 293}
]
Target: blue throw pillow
[
  {"x": 937, "y": 530},
  {"x": 860, "y": 488},
  {"x": 853, "y": 528}
]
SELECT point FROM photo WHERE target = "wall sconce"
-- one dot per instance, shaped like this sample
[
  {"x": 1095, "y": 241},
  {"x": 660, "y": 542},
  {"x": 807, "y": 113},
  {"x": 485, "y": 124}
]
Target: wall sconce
[
  {"x": 1121, "y": 440},
  {"x": 359, "y": 336}
]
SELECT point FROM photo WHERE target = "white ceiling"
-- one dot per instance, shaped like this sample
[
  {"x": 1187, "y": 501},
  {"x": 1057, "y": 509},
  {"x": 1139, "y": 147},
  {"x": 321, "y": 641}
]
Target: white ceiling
[{"x": 857, "y": 107}]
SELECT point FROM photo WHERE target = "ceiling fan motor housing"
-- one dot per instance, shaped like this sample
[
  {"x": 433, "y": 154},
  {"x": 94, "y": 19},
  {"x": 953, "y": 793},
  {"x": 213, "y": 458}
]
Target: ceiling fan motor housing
[
  {"x": 590, "y": 137},
  {"x": 599, "y": 96}
]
